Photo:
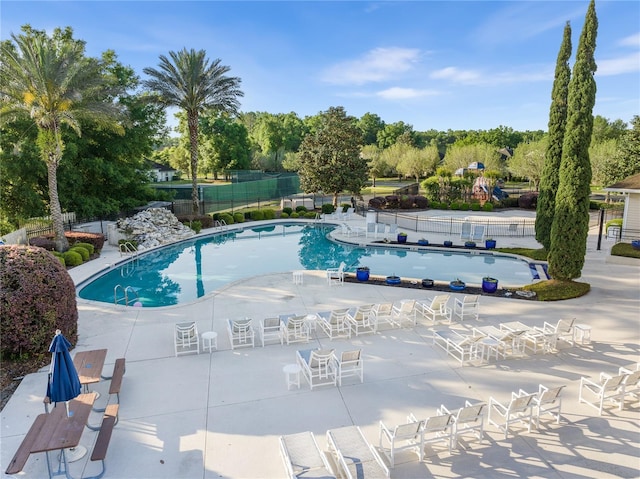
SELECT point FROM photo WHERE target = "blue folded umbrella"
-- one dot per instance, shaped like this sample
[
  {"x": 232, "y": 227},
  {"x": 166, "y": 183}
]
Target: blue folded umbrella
[{"x": 64, "y": 383}]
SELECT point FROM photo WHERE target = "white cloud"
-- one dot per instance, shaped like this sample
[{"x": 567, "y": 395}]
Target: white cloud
[
  {"x": 631, "y": 41},
  {"x": 376, "y": 65},
  {"x": 456, "y": 75},
  {"x": 617, "y": 66},
  {"x": 398, "y": 93}
]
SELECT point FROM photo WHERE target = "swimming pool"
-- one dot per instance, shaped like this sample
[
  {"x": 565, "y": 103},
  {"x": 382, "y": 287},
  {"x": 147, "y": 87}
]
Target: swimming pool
[{"x": 188, "y": 270}]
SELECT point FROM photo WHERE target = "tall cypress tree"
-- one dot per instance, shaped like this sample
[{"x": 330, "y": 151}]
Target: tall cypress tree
[
  {"x": 571, "y": 218},
  {"x": 553, "y": 155}
]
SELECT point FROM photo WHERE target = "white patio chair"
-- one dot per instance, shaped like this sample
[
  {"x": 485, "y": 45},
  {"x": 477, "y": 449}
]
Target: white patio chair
[
  {"x": 383, "y": 312},
  {"x": 349, "y": 213},
  {"x": 302, "y": 457},
  {"x": 459, "y": 346},
  {"x": 335, "y": 276},
  {"x": 355, "y": 457},
  {"x": 402, "y": 437},
  {"x": 404, "y": 311},
  {"x": 186, "y": 339},
  {"x": 349, "y": 364},
  {"x": 271, "y": 329},
  {"x": 371, "y": 230},
  {"x": 631, "y": 382},
  {"x": 469, "y": 305},
  {"x": 393, "y": 229},
  {"x": 362, "y": 319},
  {"x": 563, "y": 329},
  {"x": 294, "y": 329},
  {"x": 531, "y": 337},
  {"x": 505, "y": 342},
  {"x": 609, "y": 388},
  {"x": 334, "y": 323},
  {"x": 240, "y": 333},
  {"x": 547, "y": 401},
  {"x": 438, "y": 428},
  {"x": 380, "y": 229},
  {"x": 477, "y": 234},
  {"x": 467, "y": 419},
  {"x": 318, "y": 366},
  {"x": 435, "y": 308},
  {"x": 465, "y": 232},
  {"x": 519, "y": 409}
]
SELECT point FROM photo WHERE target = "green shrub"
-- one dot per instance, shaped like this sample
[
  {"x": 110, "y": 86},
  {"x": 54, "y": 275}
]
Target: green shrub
[
  {"x": 615, "y": 222},
  {"x": 238, "y": 217},
  {"x": 88, "y": 246},
  {"x": 475, "y": 206},
  {"x": 82, "y": 252},
  {"x": 310, "y": 215},
  {"x": 455, "y": 205},
  {"x": 206, "y": 221},
  {"x": 295, "y": 214},
  {"x": 345, "y": 206},
  {"x": 301, "y": 209},
  {"x": 464, "y": 206},
  {"x": 510, "y": 202},
  {"x": 287, "y": 210},
  {"x": 257, "y": 215},
  {"x": 60, "y": 257},
  {"x": 227, "y": 218},
  {"x": 96, "y": 239},
  {"x": 328, "y": 208},
  {"x": 269, "y": 214},
  {"x": 284, "y": 215},
  {"x": 132, "y": 242},
  {"x": 196, "y": 226},
  {"x": 488, "y": 206},
  {"x": 72, "y": 258},
  {"x": 6, "y": 227},
  {"x": 37, "y": 297}
]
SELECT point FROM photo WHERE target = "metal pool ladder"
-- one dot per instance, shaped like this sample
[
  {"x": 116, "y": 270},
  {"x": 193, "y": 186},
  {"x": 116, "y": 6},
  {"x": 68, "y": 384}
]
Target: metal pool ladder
[{"x": 124, "y": 299}]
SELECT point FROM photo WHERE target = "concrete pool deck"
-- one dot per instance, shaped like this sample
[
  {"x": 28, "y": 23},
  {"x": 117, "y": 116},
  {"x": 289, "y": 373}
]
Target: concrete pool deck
[{"x": 220, "y": 414}]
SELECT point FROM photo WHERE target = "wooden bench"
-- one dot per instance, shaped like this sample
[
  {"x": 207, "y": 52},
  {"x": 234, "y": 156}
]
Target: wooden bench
[
  {"x": 116, "y": 382},
  {"x": 104, "y": 436},
  {"x": 22, "y": 454}
]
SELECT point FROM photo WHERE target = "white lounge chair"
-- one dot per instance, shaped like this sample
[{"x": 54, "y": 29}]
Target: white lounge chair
[
  {"x": 186, "y": 339},
  {"x": 477, "y": 234},
  {"x": 435, "y": 308},
  {"x": 609, "y": 388},
  {"x": 519, "y": 409},
  {"x": 271, "y": 329},
  {"x": 294, "y": 329},
  {"x": 348, "y": 364},
  {"x": 240, "y": 333},
  {"x": 393, "y": 229},
  {"x": 318, "y": 366},
  {"x": 335, "y": 276},
  {"x": 356, "y": 458},
  {"x": 402, "y": 437},
  {"x": 371, "y": 230},
  {"x": 362, "y": 319},
  {"x": 302, "y": 457},
  {"x": 469, "y": 305},
  {"x": 380, "y": 229},
  {"x": 349, "y": 213},
  {"x": 459, "y": 346},
  {"x": 547, "y": 401},
  {"x": 465, "y": 232},
  {"x": 334, "y": 323},
  {"x": 506, "y": 342},
  {"x": 404, "y": 311},
  {"x": 531, "y": 337},
  {"x": 467, "y": 419}
]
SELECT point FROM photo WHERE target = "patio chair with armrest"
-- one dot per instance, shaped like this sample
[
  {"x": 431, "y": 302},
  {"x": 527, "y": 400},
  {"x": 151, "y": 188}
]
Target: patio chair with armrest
[
  {"x": 362, "y": 319},
  {"x": 318, "y": 366},
  {"x": 609, "y": 388},
  {"x": 438, "y": 428},
  {"x": 383, "y": 312},
  {"x": 334, "y": 323},
  {"x": 631, "y": 381},
  {"x": 469, "y": 305},
  {"x": 348, "y": 364},
  {"x": 547, "y": 401},
  {"x": 404, "y": 311},
  {"x": 335, "y": 276},
  {"x": 519, "y": 409},
  {"x": 462, "y": 347},
  {"x": 402, "y": 437},
  {"x": 435, "y": 308},
  {"x": 240, "y": 333},
  {"x": 186, "y": 339},
  {"x": 531, "y": 337},
  {"x": 563, "y": 329},
  {"x": 271, "y": 329},
  {"x": 294, "y": 329},
  {"x": 467, "y": 419}
]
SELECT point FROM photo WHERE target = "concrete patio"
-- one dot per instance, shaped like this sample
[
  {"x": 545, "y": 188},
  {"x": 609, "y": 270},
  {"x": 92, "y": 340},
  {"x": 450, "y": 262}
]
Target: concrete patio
[{"x": 220, "y": 414}]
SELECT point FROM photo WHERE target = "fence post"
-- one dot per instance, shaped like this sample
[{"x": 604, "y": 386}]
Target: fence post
[{"x": 600, "y": 228}]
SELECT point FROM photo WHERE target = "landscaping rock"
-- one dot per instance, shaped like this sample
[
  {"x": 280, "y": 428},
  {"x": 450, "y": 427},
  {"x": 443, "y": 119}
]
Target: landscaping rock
[{"x": 154, "y": 227}]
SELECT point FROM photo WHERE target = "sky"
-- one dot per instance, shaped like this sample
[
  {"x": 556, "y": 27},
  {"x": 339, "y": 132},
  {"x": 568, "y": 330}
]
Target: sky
[{"x": 459, "y": 65}]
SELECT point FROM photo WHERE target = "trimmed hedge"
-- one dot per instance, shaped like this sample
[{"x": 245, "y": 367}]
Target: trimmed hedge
[
  {"x": 257, "y": 215},
  {"x": 238, "y": 217},
  {"x": 72, "y": 258},
  {"x": 327, "y": 208},
  {"x": 83, "y": 252},
  {"x": 88, "y": 246},
  {"x": 37, "y": 297},
  {"x": 269, "y": 214}
]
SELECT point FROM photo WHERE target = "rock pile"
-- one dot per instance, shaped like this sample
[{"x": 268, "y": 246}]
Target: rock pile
[{"x": 154, "y": 227}]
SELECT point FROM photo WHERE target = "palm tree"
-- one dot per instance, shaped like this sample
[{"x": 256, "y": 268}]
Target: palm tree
[
  {"x": 190, "y": 82},
  {"x": 48, "y": 79}
]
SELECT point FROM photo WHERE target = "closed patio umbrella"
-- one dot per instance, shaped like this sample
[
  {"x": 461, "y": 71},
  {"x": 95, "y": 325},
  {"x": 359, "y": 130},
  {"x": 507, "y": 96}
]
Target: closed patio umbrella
[{"x": 64, "y": 384}]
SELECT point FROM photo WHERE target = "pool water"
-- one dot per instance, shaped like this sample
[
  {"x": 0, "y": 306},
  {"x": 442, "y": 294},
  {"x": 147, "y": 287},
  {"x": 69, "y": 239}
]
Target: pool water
[{"x": 188, "y": 270}]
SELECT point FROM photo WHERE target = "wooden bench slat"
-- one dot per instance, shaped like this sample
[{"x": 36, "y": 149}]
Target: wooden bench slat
[
  {"x": 104, "y": 436},
  {"x": 24, "y": 451},
  {"x": 116, "y": 378}
]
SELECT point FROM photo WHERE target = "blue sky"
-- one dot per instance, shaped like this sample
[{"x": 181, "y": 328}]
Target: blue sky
[{"x": 432, "y": 64}]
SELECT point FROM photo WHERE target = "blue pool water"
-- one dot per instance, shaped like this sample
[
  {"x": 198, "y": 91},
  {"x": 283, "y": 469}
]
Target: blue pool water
[{"x": 185, "y": 271}]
